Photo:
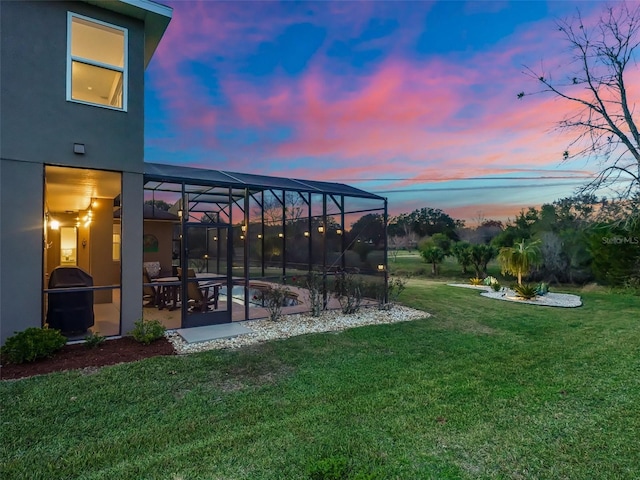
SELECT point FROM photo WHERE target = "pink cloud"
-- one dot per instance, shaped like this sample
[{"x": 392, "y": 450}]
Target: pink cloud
[{"x": 425, "y": 121}]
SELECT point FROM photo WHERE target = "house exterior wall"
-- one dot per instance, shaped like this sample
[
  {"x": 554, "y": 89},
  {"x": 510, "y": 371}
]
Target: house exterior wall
[
  {"x": 163, "y": 231},
  {"x": 38, "y": 123},
  {"x": 131, "y": 254},
  {"x": 20, "y": 246},
  {"x": 39, "y": 126}
]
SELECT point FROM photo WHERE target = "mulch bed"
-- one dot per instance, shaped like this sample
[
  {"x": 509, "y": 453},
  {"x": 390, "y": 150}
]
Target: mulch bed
[{"x": 78, "y": 356}]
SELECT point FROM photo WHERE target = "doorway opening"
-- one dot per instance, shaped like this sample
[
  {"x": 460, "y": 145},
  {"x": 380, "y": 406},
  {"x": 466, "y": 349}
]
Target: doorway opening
[{"x": 81, "y": 258}]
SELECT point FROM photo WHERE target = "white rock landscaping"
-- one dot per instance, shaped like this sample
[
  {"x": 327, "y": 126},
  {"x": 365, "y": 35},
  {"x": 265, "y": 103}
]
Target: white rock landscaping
[
  {"x": 291, "y": 325},
  {"x": 565, "y": 300}
]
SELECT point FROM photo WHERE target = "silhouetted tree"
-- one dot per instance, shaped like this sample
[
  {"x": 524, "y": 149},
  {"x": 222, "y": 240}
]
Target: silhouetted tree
[{"x": 595, "y": 81}]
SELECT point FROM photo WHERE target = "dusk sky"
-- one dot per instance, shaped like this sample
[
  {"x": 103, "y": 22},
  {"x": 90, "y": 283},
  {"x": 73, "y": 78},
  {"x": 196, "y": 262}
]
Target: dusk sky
[{"x": 415, "y": 101}]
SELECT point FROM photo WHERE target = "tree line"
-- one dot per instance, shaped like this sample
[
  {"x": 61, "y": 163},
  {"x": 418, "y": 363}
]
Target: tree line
[{"x": 581, "y": 239}]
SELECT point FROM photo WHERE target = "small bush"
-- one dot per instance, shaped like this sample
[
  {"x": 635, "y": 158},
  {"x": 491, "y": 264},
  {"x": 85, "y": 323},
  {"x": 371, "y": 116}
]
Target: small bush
[
  {"x": 525, "y": 291},
  {"x": 490, "y": 281},
  {"x": 496, "y": 287},
  {"x": 32, "y": 344},
  {"x": 395, "y": 286},
  {"x": 147, "y": 331},
  {"x": 274, "y": 298},
  {"x": 542, "y": 288},
  {"x": 93, "y": 339},
  {"x": 476, "y": 281},
  {"x": 348, "y": 291},
  {"x": 315, "y": 288}
]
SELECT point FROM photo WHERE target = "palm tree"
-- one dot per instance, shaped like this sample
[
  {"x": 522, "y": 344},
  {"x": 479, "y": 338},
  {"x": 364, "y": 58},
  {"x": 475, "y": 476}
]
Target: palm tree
[
  {"x": 519, "y": 258},
  {"x": 433, "y": 255},
  {"x": 462, "y": 252}
]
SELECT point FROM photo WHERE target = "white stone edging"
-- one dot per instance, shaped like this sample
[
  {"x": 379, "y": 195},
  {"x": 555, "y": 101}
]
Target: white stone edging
[{"x": 298, "y": 324}]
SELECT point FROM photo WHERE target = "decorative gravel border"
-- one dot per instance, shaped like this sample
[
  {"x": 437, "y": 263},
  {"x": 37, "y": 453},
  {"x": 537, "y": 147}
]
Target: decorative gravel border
[
  {"x": 264, "y": 330},
  {"x": 565, "y": 300}
]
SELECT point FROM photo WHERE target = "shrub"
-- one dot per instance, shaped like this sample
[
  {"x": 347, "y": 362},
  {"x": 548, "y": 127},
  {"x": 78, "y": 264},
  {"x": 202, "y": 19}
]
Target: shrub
[
  {"x": 32, "y": 344},
  {"x": 542, "y": 288},
  {"x": 274, "y": 299},
  {"x": 315, "y": 288},
  {"x": 362, "y": 249},
  {"x": 93, "y": 339},
  {"x": 477, "y": 281},
  {"x": 525, "y": 291},
  {"x": 396, "y": 287},
  {"x": 489, "y": 281},
  {"x": 348, "y": 291},
  {"x": 375, "y": 258},
  {"x": 496, "y": 287},
  {"x": 147, "y": 331}
]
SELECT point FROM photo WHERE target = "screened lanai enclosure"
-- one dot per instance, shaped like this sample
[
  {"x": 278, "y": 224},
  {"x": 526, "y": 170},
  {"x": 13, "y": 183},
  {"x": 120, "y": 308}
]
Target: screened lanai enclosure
[{"x": 214, "y": 241}]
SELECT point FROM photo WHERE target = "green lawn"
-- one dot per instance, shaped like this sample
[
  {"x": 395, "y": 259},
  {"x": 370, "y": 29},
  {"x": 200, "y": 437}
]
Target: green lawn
[
  {"x": 483, "y": 389},
  {"x": 411, "y": 263}
]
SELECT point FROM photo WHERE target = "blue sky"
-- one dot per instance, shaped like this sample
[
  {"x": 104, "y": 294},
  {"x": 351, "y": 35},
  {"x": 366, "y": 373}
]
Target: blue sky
[{"x": 415, "y": 101}]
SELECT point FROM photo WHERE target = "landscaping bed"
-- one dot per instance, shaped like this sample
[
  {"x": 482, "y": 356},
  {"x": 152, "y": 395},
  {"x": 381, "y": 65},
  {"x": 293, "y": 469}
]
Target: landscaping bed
[{"x": 79, "y": 356}]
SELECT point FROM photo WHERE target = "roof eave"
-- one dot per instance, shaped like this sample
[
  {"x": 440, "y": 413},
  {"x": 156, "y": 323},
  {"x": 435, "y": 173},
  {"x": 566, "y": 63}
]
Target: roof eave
[{"x": 156, "y": 18}]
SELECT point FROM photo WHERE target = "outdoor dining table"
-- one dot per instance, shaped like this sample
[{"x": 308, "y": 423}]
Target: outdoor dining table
[{"x": 168, "y": 292}]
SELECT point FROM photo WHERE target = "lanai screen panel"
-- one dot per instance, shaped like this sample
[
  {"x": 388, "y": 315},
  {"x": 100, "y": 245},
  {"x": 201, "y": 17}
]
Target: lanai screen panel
[{"x": 284, "y": 227}]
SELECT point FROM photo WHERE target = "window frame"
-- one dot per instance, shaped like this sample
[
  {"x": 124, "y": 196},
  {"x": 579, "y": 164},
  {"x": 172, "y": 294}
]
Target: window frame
[{"x": 87, "y": 61}]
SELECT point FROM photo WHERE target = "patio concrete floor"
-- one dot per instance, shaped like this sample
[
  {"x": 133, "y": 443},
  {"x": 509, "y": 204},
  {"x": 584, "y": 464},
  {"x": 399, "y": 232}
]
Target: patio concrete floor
[{"x": 212, "y": 332}]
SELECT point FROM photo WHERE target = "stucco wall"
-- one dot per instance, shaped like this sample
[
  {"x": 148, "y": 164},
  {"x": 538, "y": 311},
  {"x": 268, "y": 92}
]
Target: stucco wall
[
  {"x": 20, "y": 246},
  {"x": 131, "y": 218},
  {"x": 38, "y": 123},
  {"x": 163, "y": 231},
  {"x": 39, "y": 126}
]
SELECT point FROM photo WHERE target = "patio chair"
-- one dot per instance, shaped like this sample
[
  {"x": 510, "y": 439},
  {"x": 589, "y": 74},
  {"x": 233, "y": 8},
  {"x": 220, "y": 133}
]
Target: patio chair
[
  {"x": 149, "y": 292},
  {"x": 201, "y": 297}
]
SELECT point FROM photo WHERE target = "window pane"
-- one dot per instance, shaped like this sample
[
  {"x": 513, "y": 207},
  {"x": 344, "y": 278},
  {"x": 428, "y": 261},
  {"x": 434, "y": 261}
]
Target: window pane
[
  {"x": 97, "y": 42},
  {"x": 96, "y": 85}
]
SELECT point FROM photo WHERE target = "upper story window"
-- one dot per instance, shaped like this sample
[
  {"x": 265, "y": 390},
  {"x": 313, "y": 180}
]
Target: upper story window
[{"x": 96, "y": 62}]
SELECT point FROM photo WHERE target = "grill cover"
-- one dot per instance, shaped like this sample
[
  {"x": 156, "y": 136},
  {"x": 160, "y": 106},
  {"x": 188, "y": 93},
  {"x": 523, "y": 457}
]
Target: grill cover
[{"x": 70, "y": 312}]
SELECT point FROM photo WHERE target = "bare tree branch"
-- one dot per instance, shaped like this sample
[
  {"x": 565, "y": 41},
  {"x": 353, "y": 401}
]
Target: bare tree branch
[{"x": 604, "y": 124}]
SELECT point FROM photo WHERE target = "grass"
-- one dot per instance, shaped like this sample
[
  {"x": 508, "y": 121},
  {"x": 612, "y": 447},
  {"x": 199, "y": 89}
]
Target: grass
[
  {"x": 483, "y": 389},
  {"x": 411, "y": 263}
]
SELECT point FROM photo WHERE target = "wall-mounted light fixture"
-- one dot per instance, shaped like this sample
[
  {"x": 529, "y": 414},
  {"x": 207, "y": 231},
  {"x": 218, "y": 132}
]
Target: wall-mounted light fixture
[
  {"x": 244, "y": 228},
  {"x": 259, "y": 235},
  {"x": 281, "y": 235},
  {"x": 380, "y": 267},
  {"x": 306, "y": 234},
  {"x": 321, "y": 229},
  {"x": 54, "y": 224},
  {"x": 339, "y": 232},
  {"x": 241, "y": 237},
  {"x": 180, "y": 213}
]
